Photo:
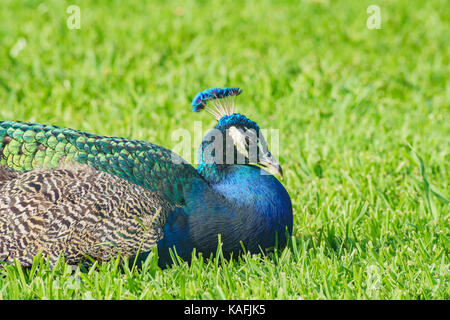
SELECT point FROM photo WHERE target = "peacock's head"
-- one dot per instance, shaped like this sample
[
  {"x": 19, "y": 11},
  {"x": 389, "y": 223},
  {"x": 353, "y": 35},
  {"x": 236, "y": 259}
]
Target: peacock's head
[{"x": 235, "y": 139}]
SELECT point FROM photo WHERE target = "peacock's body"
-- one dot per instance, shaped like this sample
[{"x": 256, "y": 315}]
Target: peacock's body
[{"x": 129, "y": 195}]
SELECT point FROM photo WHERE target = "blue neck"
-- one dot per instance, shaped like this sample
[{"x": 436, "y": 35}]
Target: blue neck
[
  {"x": 241, "y": 205},
  {"x": 214, "y": 173}
]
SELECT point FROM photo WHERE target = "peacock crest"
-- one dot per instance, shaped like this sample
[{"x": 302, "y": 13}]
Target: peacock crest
[{"x": 223, "y": 101}]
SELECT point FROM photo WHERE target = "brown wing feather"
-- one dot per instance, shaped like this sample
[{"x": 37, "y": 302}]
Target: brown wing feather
[
  {"x": 6, "y": 175},
  {"x": 76, "y": 211}
]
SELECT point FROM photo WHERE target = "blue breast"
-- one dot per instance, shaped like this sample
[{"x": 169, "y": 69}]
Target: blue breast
[{"x": 248, "y": 205}]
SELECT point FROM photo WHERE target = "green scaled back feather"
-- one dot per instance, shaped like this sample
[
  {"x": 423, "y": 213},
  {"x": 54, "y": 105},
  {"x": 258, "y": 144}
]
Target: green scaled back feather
[{"x": 26, "y": 146}]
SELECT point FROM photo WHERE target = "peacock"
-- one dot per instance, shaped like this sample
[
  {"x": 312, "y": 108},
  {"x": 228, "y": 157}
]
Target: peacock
[{"x": 89, "y": 197}]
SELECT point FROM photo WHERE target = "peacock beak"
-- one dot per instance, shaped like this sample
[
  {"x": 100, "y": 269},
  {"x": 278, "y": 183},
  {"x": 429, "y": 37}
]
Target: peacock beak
[{"x": 271, "y": 164}]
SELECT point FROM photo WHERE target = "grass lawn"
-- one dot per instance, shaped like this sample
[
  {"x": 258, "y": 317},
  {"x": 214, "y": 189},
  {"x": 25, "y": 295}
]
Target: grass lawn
[{"x": 363, "y": 116}]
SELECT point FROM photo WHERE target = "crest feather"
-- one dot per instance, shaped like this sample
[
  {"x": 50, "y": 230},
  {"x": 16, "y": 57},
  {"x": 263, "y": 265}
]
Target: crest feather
[{"x": 222, "y": 99}]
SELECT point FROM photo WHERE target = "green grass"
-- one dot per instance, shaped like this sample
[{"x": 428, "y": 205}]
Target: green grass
[{"x": 363, "y": 118}]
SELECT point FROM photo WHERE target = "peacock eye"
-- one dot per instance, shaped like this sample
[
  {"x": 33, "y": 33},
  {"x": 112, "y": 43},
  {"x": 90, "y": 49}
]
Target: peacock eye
[{"x": 247, "y": 141}]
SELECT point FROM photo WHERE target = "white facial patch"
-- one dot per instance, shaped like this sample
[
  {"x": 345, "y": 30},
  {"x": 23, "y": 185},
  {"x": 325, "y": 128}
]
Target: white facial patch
[{"x": 239, "y": 140}]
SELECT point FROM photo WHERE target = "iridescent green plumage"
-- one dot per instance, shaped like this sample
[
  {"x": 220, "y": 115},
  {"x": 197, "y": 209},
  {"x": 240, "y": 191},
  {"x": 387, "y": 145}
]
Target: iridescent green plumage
[{"x": 26, "y": 146}]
